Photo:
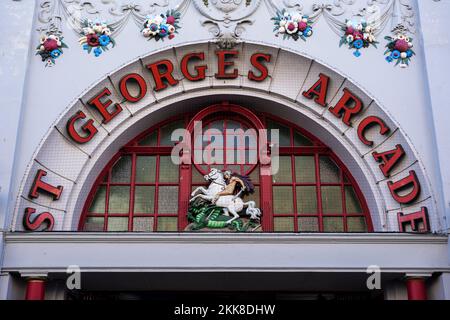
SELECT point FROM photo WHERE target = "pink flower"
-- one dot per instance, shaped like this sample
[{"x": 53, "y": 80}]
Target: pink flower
[
  {"x": 291, "y": 26},
  {"x": 401, "y": 45},
  {"x": 171, "y": 36},
  {"x": 302, "y": 26},
  {"x": 349, "y": 30},
  {"x": 357, "y": 35},
  {"x": 92, "y": 40},
  {"x": 50, "y": 45},
  {"x": 170, "y": 20}
]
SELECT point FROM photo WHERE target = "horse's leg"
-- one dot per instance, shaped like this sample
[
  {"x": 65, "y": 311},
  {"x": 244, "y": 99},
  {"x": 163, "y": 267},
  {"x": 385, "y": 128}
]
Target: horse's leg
[
  {"x": 198, "y": 190},
  {"x": 225, "y": 212},
  {"x": 234, "y": 213},
  {"x": 209, "y": 198}
]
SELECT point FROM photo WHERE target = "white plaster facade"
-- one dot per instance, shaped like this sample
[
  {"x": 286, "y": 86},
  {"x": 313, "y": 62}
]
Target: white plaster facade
[{"x": 38, "y": 101}]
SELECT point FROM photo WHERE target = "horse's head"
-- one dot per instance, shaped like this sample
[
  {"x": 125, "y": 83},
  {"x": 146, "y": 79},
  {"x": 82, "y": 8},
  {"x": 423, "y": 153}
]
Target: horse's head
[{"x": 213, "y": 175}]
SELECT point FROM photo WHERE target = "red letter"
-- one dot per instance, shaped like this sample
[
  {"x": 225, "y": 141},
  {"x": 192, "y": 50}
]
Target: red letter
[
  {"x": 389, "y": 159},
  {"x": 222, "y": 64},
  {"x": 201, "y": 70},
  {"x": 123, "y": 88},
  {"x": 88, "y": 127},
  {"x": 255, "y": 61},
  {"x": 369, "y": 122},
  {"x": 103, "y": 107},
  {"x": 45, "y": 217},
  {"x": 342, "y": 106},
  {"x": 319, "y": 89},
  {"x": 39, "y": 185},
  {"x": 414, "y": 219},
  {"x": 159, "y": 75},
  {"x": 410, "y": 180}
]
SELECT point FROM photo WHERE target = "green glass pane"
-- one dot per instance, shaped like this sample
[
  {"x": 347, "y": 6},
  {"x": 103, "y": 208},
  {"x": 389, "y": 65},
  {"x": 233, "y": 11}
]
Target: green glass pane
[
  {"x": 143, "y": 224},
  {"x": 301, "y": 141},
  {"x": 145, "y": 169},
  {"x": 197, "y": 177},
  {"x": 149, "y": 140},
  {"x": 254, "y": 175},
  {"x": 284, "y": 133},
  {"x": 331, "y": 200},
  {"x": 144, "y": 199},
  {"x": 329, "y": 171},
  {"x": 168, "y": 200},
  {"x": 121, "y": 171},
  {"x": 93, "y": 224},
  {"x": 168, "y": 171},
  {"x": 284, "y": 174},
  {"x": 117, "y": 224},
  {"x": 282, "y": 200},
  {"x": 283, "y": 224},
  {"x": 167, "y": 224},
  {"x": 333, "y": 224},
  {"x": 98, "y": 203},
  {"x": 119, "y": 199},
  {"x": 352, "y": 201},
  {"x": 253, "y": 197},
  {"x": 356, "y": 224},
  {"x": 308, "y": 224},
  {"x": 305, "y": 169},
  {"x": 166, "y": 132},
  {"x": 307, "y": 199}
]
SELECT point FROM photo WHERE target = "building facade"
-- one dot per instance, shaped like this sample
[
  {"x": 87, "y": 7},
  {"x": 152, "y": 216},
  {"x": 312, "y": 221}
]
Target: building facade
[{"x": 340, "y": 187}]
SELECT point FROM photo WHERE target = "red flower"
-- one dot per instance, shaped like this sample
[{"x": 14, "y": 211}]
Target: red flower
[
  {"x": 171, "y": 36},
  {"x": 50, "y": 45},
  {"x": 302, "y": 26},
  {"x": 92, "y": 40},
  {"x": 401, "y": 45},
  {"x": 349, "y": 30},
  {"x": 357, "y": 35},
  {"x": 170, "y": 20}
]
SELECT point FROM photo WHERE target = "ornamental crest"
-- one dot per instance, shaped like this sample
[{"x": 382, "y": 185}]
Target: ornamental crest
[{"x": 219, "y": 206}]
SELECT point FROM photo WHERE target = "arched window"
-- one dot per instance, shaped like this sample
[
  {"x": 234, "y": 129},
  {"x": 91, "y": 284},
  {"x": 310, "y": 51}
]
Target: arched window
[{"x": 142, "y": 190}]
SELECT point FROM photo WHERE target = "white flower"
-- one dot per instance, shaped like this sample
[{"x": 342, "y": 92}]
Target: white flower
[
  {"x": 282, "y": 23},
  {"x": 305, "y": 20},
  {"x": 281, "y": 30},
  {"x": 401, "y": 37},
  {"x": 350, "y": 38},
  {"x": 43, "y": 38},
  {"x": 365, "y": 36},
  {"x": 42, "y": 48},
  {"x": 58, "y": 43},
  {"x": 371, "y": 38},
  {"x": 158, "y": 19},
  {"x": 368, "y": 29},
  {"x": 171, "y": 28},
  {"x": 286, "y": 14},
  {"x": 147, "y": 32},
  {"x": 98, "y": 28},
  {"x": 291, "y": 27},
  {"x": 309, "y": 33},
  {"x": 349, "y": 23},
  {"x": 359, "y": 27},
  {"x": 296, "y": 17},
  {"x": 410, "y": 44},
  {"x": 88, "y": 30},
  {"x": 107, "y": 31},
  {"x": 403, "y": 55}
]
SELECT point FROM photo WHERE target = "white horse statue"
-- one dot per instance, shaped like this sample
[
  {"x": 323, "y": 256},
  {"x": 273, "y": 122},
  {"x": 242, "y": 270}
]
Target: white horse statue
[{"x": 230, "y": 203}]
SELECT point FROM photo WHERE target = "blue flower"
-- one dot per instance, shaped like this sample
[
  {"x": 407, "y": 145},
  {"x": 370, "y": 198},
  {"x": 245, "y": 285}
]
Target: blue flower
[
  {"x": 389, "y": 58},
  {"x": 104, "y": 40},
  {"x": 85, "y": 47},
  {"x": 307, "y": 32},
  {"x": 358, "y": 44},
  {"x": 395, "y": 54},
  {"x": 154, "y": 27},
  {"x": 163, "y": 31},
  {"x": 97, "y": 51},
  {"x": 56, "y": 53},
  {"x": 357, "y": 53},
  {"x": 409, "y": 53}
]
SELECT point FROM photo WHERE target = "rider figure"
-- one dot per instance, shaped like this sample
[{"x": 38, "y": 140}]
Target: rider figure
[{"x": 232, "y": 182}]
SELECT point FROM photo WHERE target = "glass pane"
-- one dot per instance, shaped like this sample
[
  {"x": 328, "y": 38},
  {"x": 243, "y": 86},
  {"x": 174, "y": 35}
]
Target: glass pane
[
  {"x": 308, "y": 224},
  {"x": 352, "y": 201},
  {"x": 356, "y": 224},
  {"x": 301, "y": 141},
  {"x": 93, "y": 224},
  {"x": 166, "y": 132},
  {"x": 144, "y": 199},
  {"x": 284, "y": 133},
  {"x": 284, "y": 173},
  {"x": 333, "y": 224},
  {"x": 121, "y": 172},
  {"x": 282, "y": 200},
  {"x": 305, "y": 169},
  {"x": 329, "y": 171},
  {"x": 168, "y": 171},
  {"x": 145, "y": 169},
  {"x": 331, "y": 200},
  {"x": 98, "y": 203},
  {"x": 149, "y": 140},
  {"x": 168, "y": 200},
  {"x": 307, "y": 199},
  {"x": 119, "y": 199},
  {"x": 254, "y": 175},
  {"x": 253, "y": 197},
  {"x": 167, "y": 224},
  {"x": 283, "y": 224},
  {"x": 117, "y": 223},
  {"x": 197, "y": 177},
  {"x": 143, "y": 224}
]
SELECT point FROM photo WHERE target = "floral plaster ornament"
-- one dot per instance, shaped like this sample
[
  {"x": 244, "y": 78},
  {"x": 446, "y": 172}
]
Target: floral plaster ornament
[
  {"x": 399, "y": 47},
  {"x": 292, "y": 25},
  {"x": 51, "y": 47},
  {"x": 358, "y": 36},
  {"x": 96, "y": 37},
  {"x": 162, "y": 26}
]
